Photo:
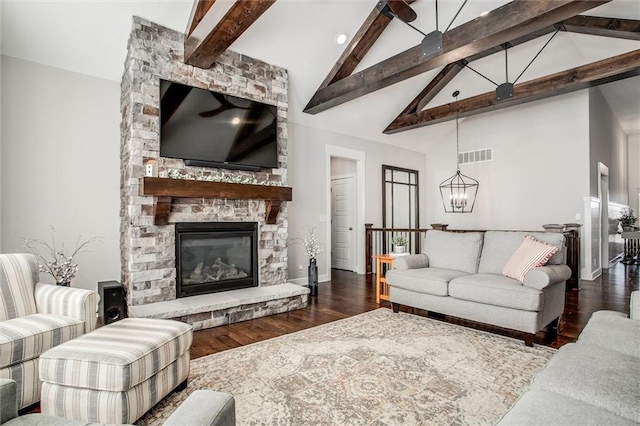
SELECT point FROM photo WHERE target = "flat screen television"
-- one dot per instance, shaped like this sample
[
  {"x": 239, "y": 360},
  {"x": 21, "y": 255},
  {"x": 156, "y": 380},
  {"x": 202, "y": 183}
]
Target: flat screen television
[{"x": 211, "y": 129}]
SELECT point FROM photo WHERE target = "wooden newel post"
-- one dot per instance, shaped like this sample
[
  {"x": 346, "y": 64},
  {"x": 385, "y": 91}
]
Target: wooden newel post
[{"x": 368, "y": 244}]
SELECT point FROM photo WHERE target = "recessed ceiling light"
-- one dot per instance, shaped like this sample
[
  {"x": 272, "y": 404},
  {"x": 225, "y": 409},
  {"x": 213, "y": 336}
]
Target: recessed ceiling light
[
  {"x": 235, "y": 121},
  {"x": 341, "y": 39}
]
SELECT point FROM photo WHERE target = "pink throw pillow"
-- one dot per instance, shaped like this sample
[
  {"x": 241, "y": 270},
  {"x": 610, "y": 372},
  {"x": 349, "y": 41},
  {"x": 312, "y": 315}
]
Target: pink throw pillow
[{"x": 531, "y": 254}]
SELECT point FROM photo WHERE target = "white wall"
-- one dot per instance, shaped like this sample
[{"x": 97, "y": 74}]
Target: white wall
[
  {"x": 539, "y": 174},
  {"x": 634, "y": 171},
  {"x": 1, "y": 59},
  {"x": 307, "y": 176},
  {"x": 608, "y": 145},
  {"x": 60, "y": 163},
  {"x": 342, "y": 166}
]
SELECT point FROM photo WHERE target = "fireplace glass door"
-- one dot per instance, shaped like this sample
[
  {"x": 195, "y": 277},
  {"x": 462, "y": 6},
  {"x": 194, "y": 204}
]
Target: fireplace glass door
[{"x": 214, "y": 257}]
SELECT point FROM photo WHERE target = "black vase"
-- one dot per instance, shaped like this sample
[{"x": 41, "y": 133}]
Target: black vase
[
  {"x": 313, "y": 277},
  {"x": 64, "y": 284}
]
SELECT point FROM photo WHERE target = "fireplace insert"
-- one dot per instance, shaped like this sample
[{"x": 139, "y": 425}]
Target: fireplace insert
[{"x": 215, "y": 256}]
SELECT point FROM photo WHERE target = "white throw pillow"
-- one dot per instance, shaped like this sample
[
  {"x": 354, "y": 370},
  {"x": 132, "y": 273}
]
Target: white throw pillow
[{"x": 531, "y": 254}]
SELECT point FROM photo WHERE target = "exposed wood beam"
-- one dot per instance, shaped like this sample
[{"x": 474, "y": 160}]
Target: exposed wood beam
[
  {"x": 447, "y": 74},
  {"x": 199, "y": 10},
  {"x": 434, "y": 87},
  {"x": 509, "y": 22},
  {"x": 367, "y": 35},
  {"x": 607, "y": 27},
  {"x": 593, "y": 74},
  {"x": 203, "y": 52}
]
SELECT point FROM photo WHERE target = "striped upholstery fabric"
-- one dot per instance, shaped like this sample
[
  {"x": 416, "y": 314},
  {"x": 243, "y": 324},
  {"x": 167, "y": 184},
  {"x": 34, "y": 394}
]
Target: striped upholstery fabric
[
  {"x": 531, "y": 254},
  {"x": 26, "y": 376},
  {"x": 113, "y": 407},
  {"x": 35, "y": 317},
  {"x": 22, "y": 339},
  {"x": 71, "y": 302},
  {"x": 116, "y": 357},
  {"x": 18, "y": 276}
]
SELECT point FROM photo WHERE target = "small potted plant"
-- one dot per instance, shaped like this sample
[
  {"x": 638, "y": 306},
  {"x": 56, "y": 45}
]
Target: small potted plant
[
  {"x": 399, "y": 243},
  {"x": 628, "y": 220}
]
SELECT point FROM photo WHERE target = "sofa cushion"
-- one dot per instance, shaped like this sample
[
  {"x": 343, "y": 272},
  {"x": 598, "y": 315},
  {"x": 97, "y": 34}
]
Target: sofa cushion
[
  {"x": 25, "y": 338},
  {"x": 531, "y": 254},
  {"x": 433, "y": 281},
  {"x": 537, "y": 407},
  {"x": 499, "y": 246},
  {"x": 116, "y": 357},
  {"x": 612, "y": 330},
  {"x": 458, "y": 251},
  {"x": 596, "y": 376},
  {"x": 496, "y": 290}
]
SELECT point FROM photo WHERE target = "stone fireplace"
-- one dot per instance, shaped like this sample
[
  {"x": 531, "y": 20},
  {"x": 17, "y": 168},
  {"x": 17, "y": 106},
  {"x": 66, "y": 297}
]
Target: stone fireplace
[{"x": 150, "y": 270}]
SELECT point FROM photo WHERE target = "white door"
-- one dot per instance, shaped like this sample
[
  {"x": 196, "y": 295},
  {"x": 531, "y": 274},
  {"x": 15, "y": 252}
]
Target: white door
[{"x": 343, "y": 212}]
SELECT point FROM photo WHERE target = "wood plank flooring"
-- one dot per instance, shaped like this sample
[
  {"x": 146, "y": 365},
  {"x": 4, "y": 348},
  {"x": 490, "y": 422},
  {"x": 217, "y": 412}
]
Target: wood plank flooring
[{"x": 349, "y": 294}]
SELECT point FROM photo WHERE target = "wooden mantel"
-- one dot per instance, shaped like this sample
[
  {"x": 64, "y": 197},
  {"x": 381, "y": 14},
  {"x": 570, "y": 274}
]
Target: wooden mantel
[{"x": 166, "y": 188}]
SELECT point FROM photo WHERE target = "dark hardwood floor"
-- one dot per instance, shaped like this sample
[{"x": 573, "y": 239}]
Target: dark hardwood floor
[{"x": 349, "y": 294}]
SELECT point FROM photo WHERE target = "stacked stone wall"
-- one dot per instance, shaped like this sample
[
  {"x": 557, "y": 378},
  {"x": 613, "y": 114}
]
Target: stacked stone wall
[{"x": 147, "y": 250}]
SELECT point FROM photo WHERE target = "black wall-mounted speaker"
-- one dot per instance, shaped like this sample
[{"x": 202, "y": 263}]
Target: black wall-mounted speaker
[{"x": 113, "y": 302}]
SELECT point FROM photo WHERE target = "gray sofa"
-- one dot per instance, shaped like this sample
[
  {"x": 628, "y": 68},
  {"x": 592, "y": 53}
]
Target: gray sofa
[
  {"x": 595, "y": 381},
  {"x": 460, "y": 274},
  {"x": 201, "y": 408}
]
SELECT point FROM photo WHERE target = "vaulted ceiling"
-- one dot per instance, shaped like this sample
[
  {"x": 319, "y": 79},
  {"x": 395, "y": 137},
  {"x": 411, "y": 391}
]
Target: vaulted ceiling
[{"x": 90, "y": 37}]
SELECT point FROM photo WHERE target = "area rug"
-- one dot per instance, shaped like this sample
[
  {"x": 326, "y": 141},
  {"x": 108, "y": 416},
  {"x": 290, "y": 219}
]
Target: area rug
[{"x": 374, "y": 368}]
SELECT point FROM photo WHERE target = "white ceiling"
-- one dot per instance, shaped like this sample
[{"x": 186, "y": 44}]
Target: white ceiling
[{"x": 90, "y": 37}]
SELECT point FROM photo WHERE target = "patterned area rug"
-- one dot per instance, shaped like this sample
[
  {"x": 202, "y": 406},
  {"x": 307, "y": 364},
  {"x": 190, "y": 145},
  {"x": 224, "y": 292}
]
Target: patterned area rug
[{"x": 374, "y": 368}]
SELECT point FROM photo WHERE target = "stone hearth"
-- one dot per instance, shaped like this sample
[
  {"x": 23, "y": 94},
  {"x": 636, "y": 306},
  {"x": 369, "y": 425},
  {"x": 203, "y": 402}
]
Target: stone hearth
[{"x": 148, "y": 248}]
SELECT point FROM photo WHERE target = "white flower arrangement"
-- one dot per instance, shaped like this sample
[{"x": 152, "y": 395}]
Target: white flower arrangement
[
  {"x": 311, "y": 245},
  {"x": 55, "y": 262}
]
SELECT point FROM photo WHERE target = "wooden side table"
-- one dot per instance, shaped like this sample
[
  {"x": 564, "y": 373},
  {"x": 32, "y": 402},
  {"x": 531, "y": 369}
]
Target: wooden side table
[{"x": 382, "y": 288}]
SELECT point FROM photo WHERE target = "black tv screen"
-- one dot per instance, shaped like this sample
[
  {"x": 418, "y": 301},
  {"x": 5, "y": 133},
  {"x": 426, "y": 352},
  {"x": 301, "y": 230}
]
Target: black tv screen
[{"x": 212, "y": 129}]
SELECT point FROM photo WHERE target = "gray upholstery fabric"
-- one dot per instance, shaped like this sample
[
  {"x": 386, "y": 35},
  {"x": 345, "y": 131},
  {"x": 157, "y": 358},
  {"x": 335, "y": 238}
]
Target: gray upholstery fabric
[
  {"x": 536, "y": 407},
  {"x": 427, "y": 280},
  {"x": 496, "y": 290},
  {"x": 413, "y": 261},
  {"x": 613, "y": 331},
  {"x": 221, "y": 410},
  {"x": 499, "y": 246},
  {"x": 44, "y": 420},
  {"x": 452, "y": 250},
  {"x": 514, "y": 319},
  {"x": 596, "y": 376},
  {"x": 8, "y": 400},
  {"x": 542, "y": 276}
]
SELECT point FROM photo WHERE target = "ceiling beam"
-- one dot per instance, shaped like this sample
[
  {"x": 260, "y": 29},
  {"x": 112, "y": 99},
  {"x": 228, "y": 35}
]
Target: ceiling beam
[
  {"x": 199, "y": 10},
  {"x": 511, "y": 21},
  {"x": 593, "y": 74},
  {"x": 367, "y": 35},
  {"x": 607, "y": 27},
  {"x": 203, "y": 52}
]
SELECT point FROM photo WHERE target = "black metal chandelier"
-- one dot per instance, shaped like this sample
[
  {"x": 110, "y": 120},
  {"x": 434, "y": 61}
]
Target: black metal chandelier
[{"x": 459, "y": 191}]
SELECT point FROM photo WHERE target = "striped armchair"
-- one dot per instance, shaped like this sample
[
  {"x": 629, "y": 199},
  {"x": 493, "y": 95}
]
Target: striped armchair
[{"x": 35, "y": 317}]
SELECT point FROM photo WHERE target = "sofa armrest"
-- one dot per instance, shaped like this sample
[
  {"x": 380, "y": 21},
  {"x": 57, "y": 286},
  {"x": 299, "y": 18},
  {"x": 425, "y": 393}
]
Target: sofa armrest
[
  {"x": 8, "y": 400},
  {"x": 412, "y": 261},
  {"x": 544, "y": 276},
  {"x": 206, "y": 408},
  {"x": 634, "y": 312},
  {"x": 71, "y": 302}
]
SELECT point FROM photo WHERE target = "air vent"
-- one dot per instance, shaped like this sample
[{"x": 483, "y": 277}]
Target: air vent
[{"x": 479, "y": 156}]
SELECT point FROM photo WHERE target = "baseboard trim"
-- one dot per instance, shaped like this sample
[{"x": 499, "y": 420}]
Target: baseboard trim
[{"x": 304, "y": 281}]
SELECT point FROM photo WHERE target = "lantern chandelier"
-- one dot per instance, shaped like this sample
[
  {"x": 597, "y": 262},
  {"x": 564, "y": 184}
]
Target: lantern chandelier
[{"x": 458, "y": 192}]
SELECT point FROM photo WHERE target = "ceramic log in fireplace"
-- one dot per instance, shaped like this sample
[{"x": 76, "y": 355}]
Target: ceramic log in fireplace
[{"x": 215, "y": 256}]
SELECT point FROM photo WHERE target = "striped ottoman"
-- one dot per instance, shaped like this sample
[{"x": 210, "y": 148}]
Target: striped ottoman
[{"x": 116, "y": 373}]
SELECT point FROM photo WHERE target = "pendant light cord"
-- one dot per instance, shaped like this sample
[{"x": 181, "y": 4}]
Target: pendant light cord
[{"x": 456, "y": 93}]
